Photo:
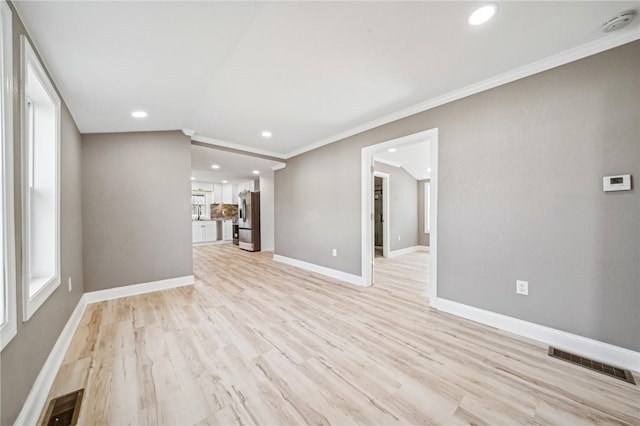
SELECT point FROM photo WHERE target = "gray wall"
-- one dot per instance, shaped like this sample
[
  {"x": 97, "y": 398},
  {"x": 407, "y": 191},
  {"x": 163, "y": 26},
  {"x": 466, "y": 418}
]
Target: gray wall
[
  {"x": 317, "y": 208},
  {"x": 520, "y": 197},
  {"x": 136, "y": 208},
  {"x": 22, "y": 359},
  {"x": 403, "y": 207},
  {"x": 423, "y": 239},
  {"x": 267, "y": 209}
]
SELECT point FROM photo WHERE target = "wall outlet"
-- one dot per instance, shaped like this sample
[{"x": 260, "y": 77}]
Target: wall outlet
[
  {"x": 522, "y": 287},
  {"x": 335, "y": 252},
  {"x": 70, "y": 284}
]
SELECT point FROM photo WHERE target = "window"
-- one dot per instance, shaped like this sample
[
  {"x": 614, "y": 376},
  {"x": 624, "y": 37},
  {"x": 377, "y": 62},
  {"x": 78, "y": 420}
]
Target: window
[
  {"x": 41, "y": 186},
  {"x": 427, "y": 207},
  {"x": 8, "y": 326}
]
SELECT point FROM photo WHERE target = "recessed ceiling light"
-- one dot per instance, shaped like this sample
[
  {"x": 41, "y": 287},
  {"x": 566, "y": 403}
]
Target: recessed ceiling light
[
  {"x": 256, "y": 172},
  {"x": 266, "y": 134},
  {"x": 483, "y": 14},
  {"x": 192, "y": 178},
  {"x": 224, "y": 181},
  {"x": 139, "y": 114},
  {"x": 391, "y": 150},
  {"x": 215, "y": 166}
]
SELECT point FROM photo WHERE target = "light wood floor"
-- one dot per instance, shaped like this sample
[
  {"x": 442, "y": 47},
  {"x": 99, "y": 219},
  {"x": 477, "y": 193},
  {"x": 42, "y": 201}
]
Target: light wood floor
[{"x": 258, "y": 342}]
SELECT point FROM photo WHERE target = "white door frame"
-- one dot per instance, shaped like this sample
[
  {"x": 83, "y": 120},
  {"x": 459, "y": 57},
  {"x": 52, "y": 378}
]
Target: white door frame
[
  {"x": 367, "y": 173},
  {"x": 386, "y": 214}
]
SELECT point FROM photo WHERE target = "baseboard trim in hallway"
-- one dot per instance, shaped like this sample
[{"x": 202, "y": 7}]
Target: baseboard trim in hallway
[
  {"x": 333, "y": 273},
  {"x": 408, "y": 250},
  {"x": 37, "y": 398},
  {"x": 604, "y": 352}
]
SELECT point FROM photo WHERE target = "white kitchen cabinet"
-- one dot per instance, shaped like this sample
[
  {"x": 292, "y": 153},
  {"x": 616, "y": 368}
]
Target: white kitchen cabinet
[
  {"x": 203, "y": 231},
  {"x": 217, "y": 193},
  {"x": 236, "y": 192},
  {"x": 196, "y": 232},
  {"x": 227, "y": 230},
  {"x": 201, "y": 186},
  {"x": 230, "y": 193},
  {"x": 210, "y": 232},
  {"x": 227, "y": 193}
]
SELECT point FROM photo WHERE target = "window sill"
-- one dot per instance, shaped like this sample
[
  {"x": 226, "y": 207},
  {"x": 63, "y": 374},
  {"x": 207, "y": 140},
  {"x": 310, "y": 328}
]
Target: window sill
[
  {"x": 7, "y": 332},
  {"x": 45, "y": 287}
]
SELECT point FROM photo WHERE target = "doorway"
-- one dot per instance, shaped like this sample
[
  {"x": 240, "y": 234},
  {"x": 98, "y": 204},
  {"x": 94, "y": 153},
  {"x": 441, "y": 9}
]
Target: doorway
[
  {"x": 377, "y": 214},
  {"x": 368, "y": 221},
  {"x": 381, "y": 217}
]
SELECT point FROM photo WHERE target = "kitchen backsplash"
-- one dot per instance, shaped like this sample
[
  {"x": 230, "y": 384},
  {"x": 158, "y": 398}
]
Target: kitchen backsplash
[{"x": 224, "y": 211}]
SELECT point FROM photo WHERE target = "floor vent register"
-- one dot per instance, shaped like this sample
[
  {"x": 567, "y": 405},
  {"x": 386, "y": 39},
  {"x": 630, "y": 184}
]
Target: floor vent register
[
  {"x": 64, "y": 410},
  {"x": 609, "y": 370}
]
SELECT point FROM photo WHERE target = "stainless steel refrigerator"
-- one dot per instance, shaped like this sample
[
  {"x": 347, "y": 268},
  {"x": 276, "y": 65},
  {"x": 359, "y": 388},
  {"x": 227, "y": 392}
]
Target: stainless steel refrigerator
[{"x": 249, "y": 220}]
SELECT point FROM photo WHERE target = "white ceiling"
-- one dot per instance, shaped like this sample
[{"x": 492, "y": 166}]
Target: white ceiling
[
  {"x": 414, "y": 158},
  {"x": 234, "y": 168},
  {"x": 307, "y": 71}
]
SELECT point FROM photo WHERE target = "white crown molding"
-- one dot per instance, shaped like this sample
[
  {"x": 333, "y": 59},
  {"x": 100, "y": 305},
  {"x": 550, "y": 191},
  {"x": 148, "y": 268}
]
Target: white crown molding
[
  {"x": 37, "y": 398},
  {"x": 333, "y": 273},
  {"x": 279, "y": 166},
  {"x": 399, "y": 165},
  {"x": 387, "y": 162},
  {"x": 580, "y": 345},
  {"x": 417, "y": 177},
  {"x": 608, "y": 42},
  {"x": 239, "y": 147}
]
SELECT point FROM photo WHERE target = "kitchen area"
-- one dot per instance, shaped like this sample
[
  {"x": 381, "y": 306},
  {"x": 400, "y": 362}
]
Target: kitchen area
[
  {"x": 232, "y": 198},
  {"x": 215, "y": 211}
]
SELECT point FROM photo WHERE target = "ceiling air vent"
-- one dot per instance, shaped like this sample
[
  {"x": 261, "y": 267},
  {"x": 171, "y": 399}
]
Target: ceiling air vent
[{"x": 609, "y": 370}]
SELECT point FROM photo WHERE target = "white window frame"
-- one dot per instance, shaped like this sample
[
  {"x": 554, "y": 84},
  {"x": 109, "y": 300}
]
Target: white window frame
[
  {"x": 427, "y": 207},
  {"x": 30, "y": 59},
  {"x": 8, "y": 324}
]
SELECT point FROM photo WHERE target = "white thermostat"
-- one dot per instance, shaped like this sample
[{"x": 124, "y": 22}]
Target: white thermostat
[{"x": 616, "y": 183}]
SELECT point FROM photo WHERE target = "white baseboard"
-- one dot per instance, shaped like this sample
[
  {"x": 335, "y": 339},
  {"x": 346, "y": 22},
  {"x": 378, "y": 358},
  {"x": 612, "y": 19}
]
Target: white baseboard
[
  {"x": 37, "y": 398},
  {"x": 212, "y": 243},
  {"x": 134, "y": 289},
  {"x": 333, "y": 273},
  {"x": 407, "y": 250},
  {"x": 580, "y": 345}
]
